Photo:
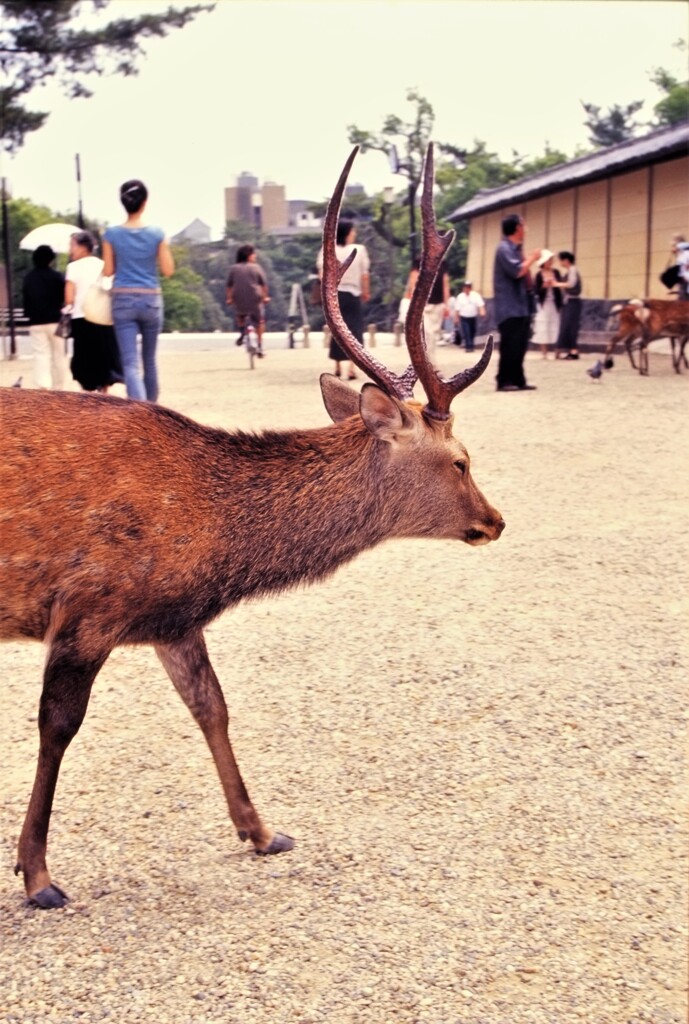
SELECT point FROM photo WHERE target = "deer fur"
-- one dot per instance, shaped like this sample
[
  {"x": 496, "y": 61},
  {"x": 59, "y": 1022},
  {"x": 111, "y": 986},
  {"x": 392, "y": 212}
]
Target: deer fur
[
  {"x": 124, "y": 522},
  {"x": 642, "y": 321}
]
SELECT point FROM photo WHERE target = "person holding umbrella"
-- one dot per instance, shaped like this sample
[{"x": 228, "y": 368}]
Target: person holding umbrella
[{"x": 43, "y": 292}]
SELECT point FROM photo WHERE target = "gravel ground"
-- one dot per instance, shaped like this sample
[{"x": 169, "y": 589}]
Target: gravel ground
[{"x": 480, "y": 752}]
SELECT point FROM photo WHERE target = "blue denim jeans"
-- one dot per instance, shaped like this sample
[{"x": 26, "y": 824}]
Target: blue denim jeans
[{"x": 134, "y": 314}]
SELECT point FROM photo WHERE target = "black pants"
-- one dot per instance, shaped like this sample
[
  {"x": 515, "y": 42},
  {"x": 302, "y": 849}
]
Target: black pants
[
  {"x": 514, "y": 341},
  {"x": 468, "y": 325}
]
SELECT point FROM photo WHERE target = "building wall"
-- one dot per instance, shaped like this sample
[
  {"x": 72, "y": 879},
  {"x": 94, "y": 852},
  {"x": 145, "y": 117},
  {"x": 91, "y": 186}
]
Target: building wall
[
  {"x": 238, "y": 204},
  {"x": 274, "y": 213},
  {"x": 619, "y": 228}
]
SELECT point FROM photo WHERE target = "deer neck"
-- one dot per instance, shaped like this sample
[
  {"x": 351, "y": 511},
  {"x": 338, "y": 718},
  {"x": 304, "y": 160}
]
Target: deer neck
[{"x": 315, "y": 498}]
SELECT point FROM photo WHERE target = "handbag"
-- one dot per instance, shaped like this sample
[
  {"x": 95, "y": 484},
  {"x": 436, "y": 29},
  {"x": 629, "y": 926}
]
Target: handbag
[
  {"x": 670, "y": 276},
  {"x": 98, "y": 304},
  {"x": 64, "y": 327}
]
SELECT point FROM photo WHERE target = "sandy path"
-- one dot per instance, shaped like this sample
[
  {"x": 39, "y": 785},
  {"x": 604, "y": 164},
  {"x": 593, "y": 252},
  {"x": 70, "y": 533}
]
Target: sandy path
[{"x": 481, "y": 752}]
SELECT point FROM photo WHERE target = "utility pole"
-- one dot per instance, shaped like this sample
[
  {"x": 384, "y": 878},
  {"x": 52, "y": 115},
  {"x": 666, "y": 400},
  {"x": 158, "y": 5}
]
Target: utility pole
[
  {"x": 7, "y": 254},
  {"x": 80, "y": 217}
]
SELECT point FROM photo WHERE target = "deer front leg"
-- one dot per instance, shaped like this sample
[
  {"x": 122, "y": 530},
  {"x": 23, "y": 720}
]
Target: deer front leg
[
  {"x": 67, "y": 683},
  {"x": 188, "y": 666}
]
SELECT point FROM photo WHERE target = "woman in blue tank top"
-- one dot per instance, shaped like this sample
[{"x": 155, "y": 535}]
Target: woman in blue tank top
[{"x": 134, "y": 254}]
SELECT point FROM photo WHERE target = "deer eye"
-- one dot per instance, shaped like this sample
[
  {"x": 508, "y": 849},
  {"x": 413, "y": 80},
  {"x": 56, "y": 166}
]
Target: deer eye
[{"x": 461, "y": 466}]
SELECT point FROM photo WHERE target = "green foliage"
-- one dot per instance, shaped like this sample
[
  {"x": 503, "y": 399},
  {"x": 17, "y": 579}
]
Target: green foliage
[
  {"x": 189, "y": 303},
  {"x": 405, "y": 141},
  {"x": 673, "y": 108},
  {"x": 617, "y": 125},
  {"x": 39, "y": 40}
]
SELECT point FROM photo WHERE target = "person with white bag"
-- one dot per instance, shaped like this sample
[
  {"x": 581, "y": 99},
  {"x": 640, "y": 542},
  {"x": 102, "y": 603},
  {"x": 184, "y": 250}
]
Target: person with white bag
[{"x": 95, "y": 361}]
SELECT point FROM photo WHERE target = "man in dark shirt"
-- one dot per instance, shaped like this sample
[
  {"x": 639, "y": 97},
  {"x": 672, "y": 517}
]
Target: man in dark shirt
[
  {"x": 43, "y": 291},
  {"x": 247, "y": 291},
  {"x": 512, "y": 304}
]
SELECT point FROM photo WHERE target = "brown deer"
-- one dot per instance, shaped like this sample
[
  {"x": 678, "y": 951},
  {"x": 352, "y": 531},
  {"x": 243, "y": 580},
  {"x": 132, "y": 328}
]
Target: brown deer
[
  {"x": 642, "y": 321},
  {"x": 126, "y": 523}
]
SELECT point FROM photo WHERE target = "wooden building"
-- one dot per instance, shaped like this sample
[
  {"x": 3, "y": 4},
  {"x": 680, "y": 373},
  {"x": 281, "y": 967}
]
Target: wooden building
[{"x": 616, "y": 209}]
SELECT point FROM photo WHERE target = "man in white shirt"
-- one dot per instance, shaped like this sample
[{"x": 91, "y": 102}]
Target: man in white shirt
[{"x": 468, "y": 307}]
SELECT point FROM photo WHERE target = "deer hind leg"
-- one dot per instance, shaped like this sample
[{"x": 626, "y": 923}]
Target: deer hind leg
[
  {"x": 678, "y": 356},
  {"x": 629, "y": 343},
  {"x": 188, "y": 666},
  {"x": 67, "y": 682}
]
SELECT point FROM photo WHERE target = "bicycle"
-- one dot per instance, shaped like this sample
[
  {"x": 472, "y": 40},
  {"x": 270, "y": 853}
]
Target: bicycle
[{"x": 248, "y": 337}]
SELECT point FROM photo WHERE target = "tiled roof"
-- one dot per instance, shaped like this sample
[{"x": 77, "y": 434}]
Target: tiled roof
[{"x": 658, "y": 145}]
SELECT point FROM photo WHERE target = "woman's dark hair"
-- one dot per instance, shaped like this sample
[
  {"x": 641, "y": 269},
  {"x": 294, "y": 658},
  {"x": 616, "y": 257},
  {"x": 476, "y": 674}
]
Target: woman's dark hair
[
  {"x": 43, "y": 256},
  {"x": 86, "y": 239},
  {"x": 243, "y": 253},
  {"x": 133, "y": 195},
  {"x": 510, "y": 223},
  {"x": 566, "y": 255},
  {"x": 344, "y": 227}
]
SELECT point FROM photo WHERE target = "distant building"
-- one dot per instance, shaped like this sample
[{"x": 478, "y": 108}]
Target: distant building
[
  {"x": 264, "y": 206},
  {"x": 267, "y": 207},
  {"x": 196, "y": 233}
]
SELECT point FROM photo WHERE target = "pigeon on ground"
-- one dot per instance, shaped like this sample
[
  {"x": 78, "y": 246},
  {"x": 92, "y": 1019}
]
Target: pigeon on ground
[
  {"x": 18, "y": 382},
  {"x": 595, "y": 372}
]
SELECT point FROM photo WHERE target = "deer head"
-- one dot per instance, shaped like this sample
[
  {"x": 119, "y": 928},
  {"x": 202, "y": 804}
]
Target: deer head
[{"x": 438, "y": 497}]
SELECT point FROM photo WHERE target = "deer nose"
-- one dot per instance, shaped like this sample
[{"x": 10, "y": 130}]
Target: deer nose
[{"x": 499, "y": 526}]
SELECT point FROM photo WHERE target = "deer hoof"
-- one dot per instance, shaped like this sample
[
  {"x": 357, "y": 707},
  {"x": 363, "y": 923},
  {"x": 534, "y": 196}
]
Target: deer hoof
[
  {"x": 278, "y": 844},
  {"x": 49, "y": 898}
]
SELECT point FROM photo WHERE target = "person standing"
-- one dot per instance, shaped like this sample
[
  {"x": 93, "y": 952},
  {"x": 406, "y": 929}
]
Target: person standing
[
  {"x": 548, "y": 303},
  {"x": 354, "y": 289},
  {"x": 247, "y": 291},
  {"x": 435, "y": 310},
  {"x": 96, "y": 360},
  {"x": 511, "y": 278},
  {"x": 134, "y": 253},
  {"x": 43, "y": 290},
  {"x": 469, "y": 306},
  {"x": 570, "y": 317},
  {"x": 680, "y": 256}
]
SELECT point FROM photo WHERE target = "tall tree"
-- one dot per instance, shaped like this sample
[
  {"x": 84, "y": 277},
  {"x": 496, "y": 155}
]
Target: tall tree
[
  {"x": 41, "y": 39},
  {"x": 405, "y": 144},
  {"x": 617, "y": 125},
  {"x": 674, "y": 106}
]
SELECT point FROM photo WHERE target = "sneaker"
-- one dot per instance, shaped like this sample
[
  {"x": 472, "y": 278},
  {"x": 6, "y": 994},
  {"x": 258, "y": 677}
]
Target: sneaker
[
  {"x": 508, "y": 387},
  {"x": 240, "y": 340},
  {"x": 530, "y": 387},
  {"x": 572, "y": 355}
]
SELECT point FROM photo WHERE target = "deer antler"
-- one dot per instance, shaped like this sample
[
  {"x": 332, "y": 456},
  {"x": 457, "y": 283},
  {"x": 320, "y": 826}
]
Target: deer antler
[
  {"x": 439, "y": 390},
  {"x": 401, "y": 386}
]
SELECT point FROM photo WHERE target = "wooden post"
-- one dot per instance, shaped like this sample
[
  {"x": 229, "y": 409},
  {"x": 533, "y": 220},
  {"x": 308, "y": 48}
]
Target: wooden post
[
  {"x": 326, "y": 336},
  {"x": 398, "y": 330},
  {"x": 305, "y": 331},
  {"x": 371, "y": 328}
]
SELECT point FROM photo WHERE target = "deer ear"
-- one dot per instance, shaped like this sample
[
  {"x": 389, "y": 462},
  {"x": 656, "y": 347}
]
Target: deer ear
[
  {"x": 340, "y": 401},
  {"x": 385, "y": 417}
]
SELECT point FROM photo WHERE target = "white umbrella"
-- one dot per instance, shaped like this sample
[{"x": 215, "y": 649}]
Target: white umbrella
[{"x": 55, "y": 235}]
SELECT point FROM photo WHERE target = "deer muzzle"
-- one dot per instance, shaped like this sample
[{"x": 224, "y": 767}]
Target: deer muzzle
[{"x": 484, "y": 532}]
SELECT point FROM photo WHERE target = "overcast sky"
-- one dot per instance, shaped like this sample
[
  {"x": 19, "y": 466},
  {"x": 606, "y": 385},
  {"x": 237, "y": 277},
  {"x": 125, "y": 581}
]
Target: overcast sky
[{"x": 270, "y": 86}]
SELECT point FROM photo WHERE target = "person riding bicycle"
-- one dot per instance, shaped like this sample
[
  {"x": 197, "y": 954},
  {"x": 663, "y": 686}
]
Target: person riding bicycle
[{"x": 247, "y": 291}]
